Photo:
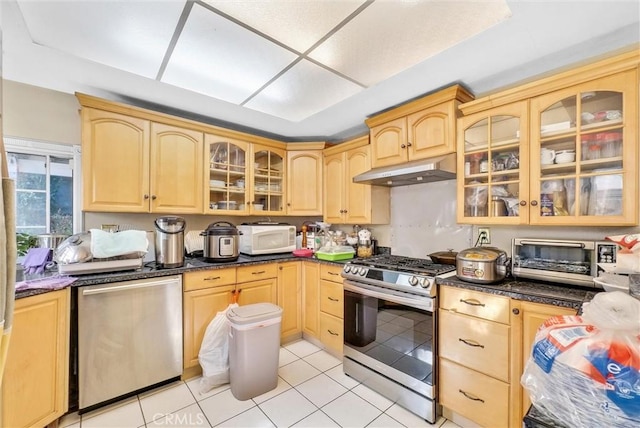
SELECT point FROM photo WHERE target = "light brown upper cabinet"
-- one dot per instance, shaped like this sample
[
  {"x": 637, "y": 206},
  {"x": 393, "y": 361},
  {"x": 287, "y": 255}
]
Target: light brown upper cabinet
[
  {"x": 267, "y": 181},
  {"x": 560, "y": 151},
  {"x": 133, "y": 164},
  {"x": 420, "y": 129},
  {"x": 226, "y": 178},
  {"x": 346, "y": 202},
  {"x": 304, "y": 182},
  {"x": 176, "y": 170}
]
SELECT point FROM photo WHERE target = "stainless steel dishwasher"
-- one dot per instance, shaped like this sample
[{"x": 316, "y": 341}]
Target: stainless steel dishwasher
[{"x": 129, "y": 337}]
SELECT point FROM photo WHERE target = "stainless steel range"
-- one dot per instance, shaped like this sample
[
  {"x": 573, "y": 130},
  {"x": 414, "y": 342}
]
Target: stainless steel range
[{"x": 390, "y": 307}]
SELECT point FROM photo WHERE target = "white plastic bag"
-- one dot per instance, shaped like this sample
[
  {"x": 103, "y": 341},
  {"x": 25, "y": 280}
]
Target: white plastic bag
[
  {"x": 214, "y": 352},
  {"x": 585, "y": 370}
]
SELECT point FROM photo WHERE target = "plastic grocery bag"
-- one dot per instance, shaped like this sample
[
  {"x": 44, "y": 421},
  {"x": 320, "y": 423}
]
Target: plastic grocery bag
[
  {"x": 214, "y": 352},
  {"x": 585, "y": 370}
]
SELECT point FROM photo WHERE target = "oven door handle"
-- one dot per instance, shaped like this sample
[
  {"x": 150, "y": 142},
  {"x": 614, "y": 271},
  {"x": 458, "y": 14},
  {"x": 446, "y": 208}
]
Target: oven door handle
[
  {"x": 426, "y": 303},
  {"x": 553, "y": 244}
]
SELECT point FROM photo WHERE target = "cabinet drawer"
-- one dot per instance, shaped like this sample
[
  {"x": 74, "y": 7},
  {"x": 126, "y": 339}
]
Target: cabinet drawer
[
  {"x": 331, "y": 332},
  {"x": 475, "y": 303},
  {"x": 256, "y": 272},
  {"x": 331, "y": 298},
  {"x": 475, "y": 396},
  {"x": 477, "y": 344},
  {"x": 202, "y": 279},
  {"x": 331, "y": 273}
]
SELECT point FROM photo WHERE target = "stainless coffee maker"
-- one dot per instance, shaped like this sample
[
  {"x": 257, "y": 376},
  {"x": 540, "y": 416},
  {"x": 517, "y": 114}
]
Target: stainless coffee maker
[{"x": 169, "y": 241}]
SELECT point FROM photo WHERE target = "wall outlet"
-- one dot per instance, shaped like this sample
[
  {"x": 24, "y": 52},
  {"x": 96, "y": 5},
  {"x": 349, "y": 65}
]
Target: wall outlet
[{"x": 484, "y": 235}]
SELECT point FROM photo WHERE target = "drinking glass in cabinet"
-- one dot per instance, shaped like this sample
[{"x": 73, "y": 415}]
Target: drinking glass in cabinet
[
  {"x": 476, "y": 199},
  {"x": 605, "y": 195}
]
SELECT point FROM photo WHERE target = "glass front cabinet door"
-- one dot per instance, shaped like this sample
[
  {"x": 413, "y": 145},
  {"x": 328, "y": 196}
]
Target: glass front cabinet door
[
  {"x": 494, "y": 166},
  {"x": 268, "y": 181},
  {"x": 226, "y": 163},
  {"x": 584, "y": 154}
]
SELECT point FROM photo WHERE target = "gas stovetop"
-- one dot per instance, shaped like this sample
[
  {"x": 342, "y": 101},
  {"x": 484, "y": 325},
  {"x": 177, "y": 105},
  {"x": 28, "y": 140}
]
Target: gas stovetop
[
  {"x": 398, "y": 273},
  {"x": 404, "y": 264}
]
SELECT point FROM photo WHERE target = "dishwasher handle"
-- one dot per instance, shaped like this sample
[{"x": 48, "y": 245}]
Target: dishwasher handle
[{"x": 116, "y": 288}]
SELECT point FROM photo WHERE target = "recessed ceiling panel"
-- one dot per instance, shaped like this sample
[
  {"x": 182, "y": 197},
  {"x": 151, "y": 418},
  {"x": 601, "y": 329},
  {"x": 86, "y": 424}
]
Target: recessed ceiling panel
[
  {"x": 298, "y": 24},
  {"x": 131, "y": 36},
  {"x": 390, "y": 36},
  {"x": 302, "y": 91},
  {"x": 219, "y": 58}
]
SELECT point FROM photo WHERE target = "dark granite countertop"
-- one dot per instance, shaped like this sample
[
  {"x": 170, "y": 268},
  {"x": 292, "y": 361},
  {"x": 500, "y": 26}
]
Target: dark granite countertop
[
  {"x": 191, "y": 264},
  {"x": 530, "y": 291}
]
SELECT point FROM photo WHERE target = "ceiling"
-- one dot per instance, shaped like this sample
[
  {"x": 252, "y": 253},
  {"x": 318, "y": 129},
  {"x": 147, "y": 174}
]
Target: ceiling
[{"x": 299, "y": 70}]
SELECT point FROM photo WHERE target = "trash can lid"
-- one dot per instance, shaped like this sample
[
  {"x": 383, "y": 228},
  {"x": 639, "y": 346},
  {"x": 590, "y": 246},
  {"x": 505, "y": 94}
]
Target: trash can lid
[{"x": 253, "y": 313}]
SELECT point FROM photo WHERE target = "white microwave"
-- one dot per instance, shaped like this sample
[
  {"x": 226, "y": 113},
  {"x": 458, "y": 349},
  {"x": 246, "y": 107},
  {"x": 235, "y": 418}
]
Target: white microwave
[{"x": 256, "y": 239}]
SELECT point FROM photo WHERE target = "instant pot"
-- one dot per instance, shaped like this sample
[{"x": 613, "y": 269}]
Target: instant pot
[
  {"x": 221, "y": 242},
  {"x": 169, "y": 241},
  {"x": 483, "y": 265}
]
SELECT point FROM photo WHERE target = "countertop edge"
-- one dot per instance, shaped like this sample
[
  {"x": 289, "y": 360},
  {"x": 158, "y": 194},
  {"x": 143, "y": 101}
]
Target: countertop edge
[{"x": 525, "y": 290}]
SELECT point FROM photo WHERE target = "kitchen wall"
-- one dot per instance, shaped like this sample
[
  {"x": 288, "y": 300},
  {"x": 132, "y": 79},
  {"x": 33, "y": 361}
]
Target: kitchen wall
[
  {"x": 40, "y": 114},
  {"x": 423, "y": 220}
]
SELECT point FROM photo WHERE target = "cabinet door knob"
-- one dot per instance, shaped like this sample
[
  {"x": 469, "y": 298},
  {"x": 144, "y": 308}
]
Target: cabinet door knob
[
  {"x": 534, "y": 203},
  {"x": 402, "y": 146},
  {"x": 146, "y": 196},
  {"x": 408, "y": 144},
  {"x": 515, "y": 311},
  {"x": 523, "y": 203},
  {"x": 153, "y": 197}
]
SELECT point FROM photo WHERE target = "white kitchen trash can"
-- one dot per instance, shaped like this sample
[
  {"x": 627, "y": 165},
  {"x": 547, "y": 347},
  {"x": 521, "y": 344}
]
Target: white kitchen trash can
[{"x": 254, "y": 349}]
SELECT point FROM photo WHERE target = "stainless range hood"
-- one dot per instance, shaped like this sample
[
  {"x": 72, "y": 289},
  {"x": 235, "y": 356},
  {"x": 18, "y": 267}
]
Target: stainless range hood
[{"x": 414, "y": 172}]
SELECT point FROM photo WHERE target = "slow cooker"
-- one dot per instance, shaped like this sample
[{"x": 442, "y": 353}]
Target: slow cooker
[
  {"x": 221, "y": 242},
  {"x": 483, "y": 265}
]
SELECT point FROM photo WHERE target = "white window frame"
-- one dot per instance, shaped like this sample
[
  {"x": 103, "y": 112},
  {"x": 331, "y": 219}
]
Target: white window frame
[{"x": 44, "y": 148}]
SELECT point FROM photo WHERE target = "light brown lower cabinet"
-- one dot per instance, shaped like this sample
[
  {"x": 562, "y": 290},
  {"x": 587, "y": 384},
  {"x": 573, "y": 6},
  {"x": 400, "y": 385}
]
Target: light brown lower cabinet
[
  {"x": 331, "y": 308},
  {"x": 484, "y": 342},
  {"x": 311, "y": 299},
  {"x": 36, "y": 377},
  {"x": 474, "y": 395},
  {"x": 290, "y": 300},
  {"x": 531, "y": 316},
  {"x": 208, "y": 292}
]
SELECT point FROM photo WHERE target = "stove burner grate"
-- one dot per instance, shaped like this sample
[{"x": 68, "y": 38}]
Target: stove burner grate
[{"x": 404, "y": 264}]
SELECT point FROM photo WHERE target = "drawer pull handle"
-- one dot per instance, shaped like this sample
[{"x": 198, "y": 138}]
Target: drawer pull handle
[
  {"x": 472, "y": 302},
  {"x": 260, "y": 272},
  {"x": 332, "y": 333},
  {"x": 470, "y": 396},
  {"x": 333, "y": 273},
  {"x": 471, "y": 343},
  {"x": 211, "y": 278},
  {"x": 332, "y": 299}
]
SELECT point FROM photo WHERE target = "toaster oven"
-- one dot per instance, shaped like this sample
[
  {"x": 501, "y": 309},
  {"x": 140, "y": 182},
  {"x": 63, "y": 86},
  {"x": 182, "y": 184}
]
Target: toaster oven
[{"x": 572, "y": 262}]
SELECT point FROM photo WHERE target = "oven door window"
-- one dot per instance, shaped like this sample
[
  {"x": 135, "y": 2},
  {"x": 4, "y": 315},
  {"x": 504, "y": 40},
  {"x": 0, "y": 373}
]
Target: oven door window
[{"x": 396, "y": 335}]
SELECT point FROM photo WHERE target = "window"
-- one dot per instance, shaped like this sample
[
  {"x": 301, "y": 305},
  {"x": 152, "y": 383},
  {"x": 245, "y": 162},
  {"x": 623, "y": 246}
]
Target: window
[{"x": 47, "y": 186}]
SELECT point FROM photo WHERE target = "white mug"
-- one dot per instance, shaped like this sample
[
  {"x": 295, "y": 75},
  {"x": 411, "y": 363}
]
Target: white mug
[
  {"x": 565, "y": 156},
  {"x": 547, "y": 156}
]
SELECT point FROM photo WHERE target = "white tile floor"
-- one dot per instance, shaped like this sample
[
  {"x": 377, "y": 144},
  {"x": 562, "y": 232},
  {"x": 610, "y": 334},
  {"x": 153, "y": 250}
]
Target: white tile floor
[{"x": 312, "y": 391}]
